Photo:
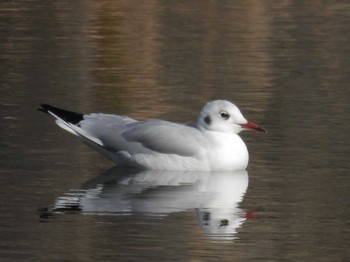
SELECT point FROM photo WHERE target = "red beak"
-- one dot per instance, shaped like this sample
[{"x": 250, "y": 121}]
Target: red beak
[{"x": 253, "y": 126}]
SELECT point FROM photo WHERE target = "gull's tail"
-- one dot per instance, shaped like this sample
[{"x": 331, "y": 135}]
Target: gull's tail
[{"x": 69, "y": 121}]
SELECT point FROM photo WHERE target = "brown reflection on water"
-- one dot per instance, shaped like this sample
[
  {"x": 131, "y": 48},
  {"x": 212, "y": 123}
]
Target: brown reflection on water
[
  {"x": 128, "y": 72},
  {"x": 149, "y": 54}
]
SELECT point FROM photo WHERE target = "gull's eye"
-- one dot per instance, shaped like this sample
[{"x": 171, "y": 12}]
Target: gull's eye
[{"x": 224, "y": 115}]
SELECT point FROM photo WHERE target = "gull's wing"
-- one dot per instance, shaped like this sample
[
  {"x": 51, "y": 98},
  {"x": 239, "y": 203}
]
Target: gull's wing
[
  {"x": 114, "y": 134},
  {"x": 118, "y": 133},
  {"x": 165, "y": 137}
]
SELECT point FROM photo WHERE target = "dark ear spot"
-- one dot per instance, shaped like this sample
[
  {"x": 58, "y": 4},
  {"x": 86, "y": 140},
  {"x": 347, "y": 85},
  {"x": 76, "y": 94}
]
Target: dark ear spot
[{"x": 207, "y": 120}]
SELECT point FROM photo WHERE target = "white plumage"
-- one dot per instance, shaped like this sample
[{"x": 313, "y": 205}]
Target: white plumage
[{"x": 213, "y": 144}]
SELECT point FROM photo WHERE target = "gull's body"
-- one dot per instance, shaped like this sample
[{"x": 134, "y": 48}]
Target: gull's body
[{"x": 213, "y": 144}]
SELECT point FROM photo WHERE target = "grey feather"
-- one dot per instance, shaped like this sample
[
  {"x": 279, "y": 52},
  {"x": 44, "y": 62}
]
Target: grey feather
[
  {"x": 165, "y": 137},
  {"x": 121, "y": 133}
]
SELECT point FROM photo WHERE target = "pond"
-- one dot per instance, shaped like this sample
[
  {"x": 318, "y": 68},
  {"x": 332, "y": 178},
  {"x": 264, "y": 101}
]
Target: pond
[{"x": 286, "y": 64}]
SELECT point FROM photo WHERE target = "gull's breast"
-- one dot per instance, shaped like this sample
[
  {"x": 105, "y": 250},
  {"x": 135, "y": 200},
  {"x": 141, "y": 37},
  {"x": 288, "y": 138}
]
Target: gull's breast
[{"x": 227, "y": 152}]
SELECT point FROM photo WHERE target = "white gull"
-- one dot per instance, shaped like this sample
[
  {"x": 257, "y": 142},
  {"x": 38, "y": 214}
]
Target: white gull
[{"x": 213, "y": 144}]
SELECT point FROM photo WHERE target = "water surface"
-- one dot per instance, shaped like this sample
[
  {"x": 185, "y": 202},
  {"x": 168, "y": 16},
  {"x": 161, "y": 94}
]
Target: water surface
[{"x": 285, "y": 64}]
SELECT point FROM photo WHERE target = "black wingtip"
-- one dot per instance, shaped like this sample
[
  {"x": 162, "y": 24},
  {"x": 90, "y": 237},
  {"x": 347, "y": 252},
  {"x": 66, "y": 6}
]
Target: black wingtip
[
  {"x": 44, "y": 108},
  {"x": 68, "y": 116}
]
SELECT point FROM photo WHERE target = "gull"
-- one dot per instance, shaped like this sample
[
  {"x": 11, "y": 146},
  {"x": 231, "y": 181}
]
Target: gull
[{"x": 212, "y": 144}]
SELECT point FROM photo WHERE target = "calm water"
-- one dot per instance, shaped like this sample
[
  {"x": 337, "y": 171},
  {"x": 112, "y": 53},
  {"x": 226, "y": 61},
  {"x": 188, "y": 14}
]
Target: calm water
[{"x": 286, "y": 64}]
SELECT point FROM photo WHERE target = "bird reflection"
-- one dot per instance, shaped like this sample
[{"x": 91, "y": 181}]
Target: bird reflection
[{"x": 214, "y": 195}]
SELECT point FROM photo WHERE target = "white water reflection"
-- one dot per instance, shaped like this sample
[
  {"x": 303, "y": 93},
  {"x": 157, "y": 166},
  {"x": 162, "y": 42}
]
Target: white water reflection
[{"x": 214, "y": 196}]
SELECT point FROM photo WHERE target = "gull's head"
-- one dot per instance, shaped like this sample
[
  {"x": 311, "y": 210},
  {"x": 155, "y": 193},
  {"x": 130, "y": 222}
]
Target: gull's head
[{"x": 223, "y": 116}]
